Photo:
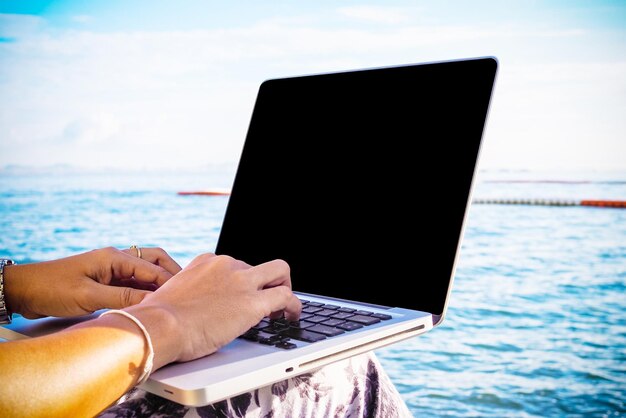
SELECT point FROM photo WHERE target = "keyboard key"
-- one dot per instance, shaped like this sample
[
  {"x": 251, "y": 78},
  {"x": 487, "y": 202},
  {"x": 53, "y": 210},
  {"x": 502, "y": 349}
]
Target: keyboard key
[
  {"x": 262, "y": 334},
  {"x": 365, "y": 313},
  {"x": 326, "y": 312},
  {"x": 303, "y": 335},
  {"x": 281, "y": 320},
  {"x": 342, "y": 315},
  {"x": 276, "y": 326},
  {"x": 317, "y": 319},
  {"x": 349, "y": 326},
  {"x": 302, "y": 324},
  {"x": 273, "y": 340},
  {"x": 323, "y": 329},
  {"x": 332, "y": 322},
  {"x": 250, "y": 335},
  {"x": 264, "y": 323},
  {"x": 311, "y": 309},
  {"x": 382, "y": 316},
  {"x": 365, "y": 320},
  {"x": 285, "y": 345}
]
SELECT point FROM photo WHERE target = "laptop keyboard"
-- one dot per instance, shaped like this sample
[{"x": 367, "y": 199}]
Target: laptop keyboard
[{"x": 318, "y": 321}]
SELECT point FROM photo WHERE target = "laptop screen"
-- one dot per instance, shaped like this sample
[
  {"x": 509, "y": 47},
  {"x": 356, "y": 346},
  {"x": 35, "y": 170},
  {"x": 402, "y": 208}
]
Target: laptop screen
[{"x": 360, "y": 180}]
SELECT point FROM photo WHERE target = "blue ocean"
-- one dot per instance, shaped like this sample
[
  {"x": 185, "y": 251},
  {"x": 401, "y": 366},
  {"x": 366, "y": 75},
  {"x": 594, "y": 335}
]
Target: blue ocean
[{"x": 536, "y": 325}]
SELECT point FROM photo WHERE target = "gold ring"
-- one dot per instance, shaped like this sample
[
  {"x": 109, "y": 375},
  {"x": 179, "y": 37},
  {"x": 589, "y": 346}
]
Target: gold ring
[{"x": 134, "y": 247}]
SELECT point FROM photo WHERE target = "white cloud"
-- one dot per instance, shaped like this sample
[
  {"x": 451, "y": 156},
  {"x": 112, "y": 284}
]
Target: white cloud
[
  {"x": 17, "y": 26},
  {"x": 378, "y": 14},
  {"x": 558, "y": 116},
  {"x": 185, "y": 97},
  {"x": 82, "y": 18},
  {"x": 91, "y": 129}
]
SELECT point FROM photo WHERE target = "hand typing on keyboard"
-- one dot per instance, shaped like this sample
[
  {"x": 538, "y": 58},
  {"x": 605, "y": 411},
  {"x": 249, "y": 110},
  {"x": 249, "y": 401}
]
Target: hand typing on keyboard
[
  {"x": 223, "y": 298},
  {"x": 317, "y": 322}
]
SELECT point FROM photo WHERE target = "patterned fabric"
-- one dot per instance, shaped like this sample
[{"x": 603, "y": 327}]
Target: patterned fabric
[{"x": 356, "y": 387}]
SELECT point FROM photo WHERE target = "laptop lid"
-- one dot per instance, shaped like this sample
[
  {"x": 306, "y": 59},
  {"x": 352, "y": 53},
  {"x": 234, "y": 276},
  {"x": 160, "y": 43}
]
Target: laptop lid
[{"x": 361, "y": 180}]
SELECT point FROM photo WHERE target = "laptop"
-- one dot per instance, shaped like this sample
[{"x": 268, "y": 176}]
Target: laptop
[{"x": 361, "y": 180}]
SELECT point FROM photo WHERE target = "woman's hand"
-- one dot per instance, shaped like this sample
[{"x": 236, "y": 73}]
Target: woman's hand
[
  {"x": 200, "y": 309},
  {"x": 211, "y": 302},
  {"x": 84, "y": 283}
]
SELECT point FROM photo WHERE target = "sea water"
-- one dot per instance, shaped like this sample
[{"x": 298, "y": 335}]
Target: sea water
[{"x": 536, "y": 324}]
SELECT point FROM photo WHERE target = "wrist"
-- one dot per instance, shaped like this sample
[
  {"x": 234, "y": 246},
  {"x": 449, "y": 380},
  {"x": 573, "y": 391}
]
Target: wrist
[
  {"x": 163, "y": 329},
  {"x": 149, "y": 358},
  {"x": 5, "y": 304},
  {"x": 17, "y": 280}
]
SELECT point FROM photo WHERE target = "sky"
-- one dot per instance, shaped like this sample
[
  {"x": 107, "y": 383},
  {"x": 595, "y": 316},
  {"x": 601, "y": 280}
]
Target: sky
[{"x": 150, "y": 84}]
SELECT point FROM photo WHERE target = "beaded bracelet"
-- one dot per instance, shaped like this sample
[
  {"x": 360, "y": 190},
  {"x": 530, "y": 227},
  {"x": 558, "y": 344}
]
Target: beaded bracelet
[{"x": 147, "y": 368}]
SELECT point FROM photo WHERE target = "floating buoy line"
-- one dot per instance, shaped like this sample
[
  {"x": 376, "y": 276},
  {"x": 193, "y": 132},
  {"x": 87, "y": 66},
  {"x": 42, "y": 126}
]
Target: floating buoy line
[
  {"x": 480, "y": 201},
  {"x": 553, "y": 202},
  {"x": 212, "y": 192}
]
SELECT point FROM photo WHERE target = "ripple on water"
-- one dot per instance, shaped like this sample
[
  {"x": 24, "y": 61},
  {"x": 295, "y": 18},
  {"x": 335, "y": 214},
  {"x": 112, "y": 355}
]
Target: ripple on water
[{"x": 536, "y": 325}]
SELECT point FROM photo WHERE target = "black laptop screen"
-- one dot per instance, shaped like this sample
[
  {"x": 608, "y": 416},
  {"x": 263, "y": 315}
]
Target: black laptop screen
[{"x": 360, "y": 180}]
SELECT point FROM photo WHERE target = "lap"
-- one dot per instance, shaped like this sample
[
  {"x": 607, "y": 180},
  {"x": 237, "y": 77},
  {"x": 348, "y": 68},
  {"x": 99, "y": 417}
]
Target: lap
[{"x": 355, "y": 387}]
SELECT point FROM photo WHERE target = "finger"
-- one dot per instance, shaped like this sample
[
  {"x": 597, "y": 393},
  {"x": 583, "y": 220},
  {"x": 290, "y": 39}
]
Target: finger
[
  {"x": 113, "y": 297},
  {"x": 126, "y": 266},
  {"x": 156, "y": 256},
  {"x": 200, "y": 259},
  {"x": 270, "y": 274},
  {"x": 135, "y": 284},
  {"x": 159, "y": 257},
  {"x": 280, "y": 300}
]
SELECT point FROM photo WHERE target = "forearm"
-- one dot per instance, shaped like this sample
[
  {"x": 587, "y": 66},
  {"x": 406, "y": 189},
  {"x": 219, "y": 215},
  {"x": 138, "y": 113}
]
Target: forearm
[
  {"x": 82, "y": 370},
  {"x": 76, "y": 372}
]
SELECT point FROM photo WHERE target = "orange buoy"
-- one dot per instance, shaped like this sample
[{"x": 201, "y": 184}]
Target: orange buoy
[
  {"x": 604, "y": 203},
  {"x": 554, "y": 202},
  {"x": 215, "y": 192}
]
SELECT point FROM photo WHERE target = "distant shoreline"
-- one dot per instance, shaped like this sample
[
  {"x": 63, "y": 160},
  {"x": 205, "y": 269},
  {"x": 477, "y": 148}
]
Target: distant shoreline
[{"x": 14, "y": 169}]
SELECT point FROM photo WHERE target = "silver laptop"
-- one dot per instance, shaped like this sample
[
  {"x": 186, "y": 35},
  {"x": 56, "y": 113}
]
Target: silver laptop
[{"x": 361, "y": 180}]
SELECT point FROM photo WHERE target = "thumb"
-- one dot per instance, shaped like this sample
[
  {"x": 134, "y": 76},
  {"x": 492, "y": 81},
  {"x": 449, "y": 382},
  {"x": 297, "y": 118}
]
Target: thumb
[{"x": 115, "y": 297}]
